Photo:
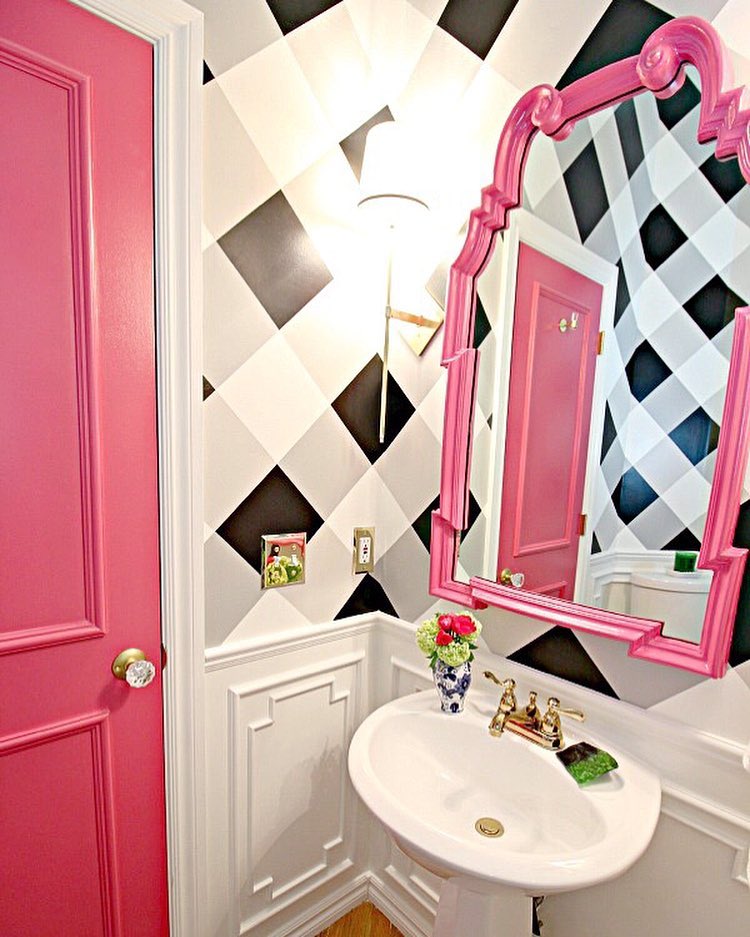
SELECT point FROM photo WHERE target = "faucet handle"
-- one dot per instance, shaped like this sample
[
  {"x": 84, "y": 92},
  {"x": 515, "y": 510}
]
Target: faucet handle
[
  {"x": 550, "y": 726},
  {"x": 508, "y": 680},
  {"x": 554, "y": 704}
]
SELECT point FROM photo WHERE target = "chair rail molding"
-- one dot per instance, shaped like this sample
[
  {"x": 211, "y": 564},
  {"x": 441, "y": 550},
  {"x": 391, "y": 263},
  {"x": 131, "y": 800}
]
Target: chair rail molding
[{"x": 175, "y": 30}]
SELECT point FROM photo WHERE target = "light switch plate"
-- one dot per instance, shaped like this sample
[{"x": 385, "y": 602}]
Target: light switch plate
[
  {"x": 364, "y": 549},
  {"x": 283, "y": 560}
]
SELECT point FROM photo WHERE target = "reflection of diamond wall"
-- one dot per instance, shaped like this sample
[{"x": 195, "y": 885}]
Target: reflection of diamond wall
[
  {"x": 644, "y": 195},
  {"x": 293, "y": 318}
]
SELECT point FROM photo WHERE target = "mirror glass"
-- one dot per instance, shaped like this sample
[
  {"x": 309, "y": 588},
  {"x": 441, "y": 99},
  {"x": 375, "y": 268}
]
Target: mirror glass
[{"x": 593, "y": 458}]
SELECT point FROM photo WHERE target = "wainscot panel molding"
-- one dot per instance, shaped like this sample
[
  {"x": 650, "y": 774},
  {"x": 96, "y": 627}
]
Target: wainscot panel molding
[{"x": 290, "y": 847}]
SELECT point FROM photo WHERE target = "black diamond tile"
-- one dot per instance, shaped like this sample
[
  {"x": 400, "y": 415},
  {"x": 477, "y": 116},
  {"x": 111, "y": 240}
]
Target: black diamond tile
[
  {"x": 422, "y": 526},
  {"x": 208, "y": 388},
  {"x": 713, "y": 306},
  {"x": 208, "y": 75},
  {"x": 724, "y": 175},
  {"x": 474, "y": 512},
  {"x": 621, "y": 31},
  {"x": 609, "y": 433},
  {"x": 630, "y": 136},
  {"x": 290, "y": 14},
  {"x": 622, "y": 300},
  {"x": 369, "y": 596},
  {"x": 740, "y": 649},
  {"x": 685, "y": 540},
  {"x": 696, "y": 436},
  {"x": 661, "y": 236},
  {"x": 632, "y": 495},
  {"x": 645, "y": 371},
  {"x": 588, "y": 197},
  {"x": 354, "y": 145},
  {"x": 672, "y": 110},
  {"x": 476, "y": 23},
  {"x": 482, "y": 327},
  {"x": 276, "y": 506},
  {"x": 559, "y": 652},
  {"x": 277, "y": 259},
  {"x": 358, "y": 407}
]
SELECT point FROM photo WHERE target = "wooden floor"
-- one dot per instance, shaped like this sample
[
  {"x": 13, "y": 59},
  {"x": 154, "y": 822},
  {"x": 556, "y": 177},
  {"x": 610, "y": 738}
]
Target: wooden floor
[{"x": 364, "y": 921}]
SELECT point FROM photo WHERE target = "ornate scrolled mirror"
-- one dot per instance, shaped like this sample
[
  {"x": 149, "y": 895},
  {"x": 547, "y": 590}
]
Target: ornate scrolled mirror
[{"x": 598, "y": 354}]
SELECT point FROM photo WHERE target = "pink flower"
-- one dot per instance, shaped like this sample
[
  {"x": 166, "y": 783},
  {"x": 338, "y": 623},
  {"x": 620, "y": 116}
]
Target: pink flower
[
  {"x": 445, "y": 622},
  {"x": 443, "y": 637},
  {"x": 463, "y": 625}
]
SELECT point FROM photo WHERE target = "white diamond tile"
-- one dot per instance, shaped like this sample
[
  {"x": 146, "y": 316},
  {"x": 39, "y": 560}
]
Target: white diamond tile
[
  {"x": 324, "y": 480},
  {"x": 443, "y": 73},
  {"x": 278, "y": 110},
  {"x": 336, "y": 334},
  {"x": 540, "y": 40},
  {"x": 271, "y": 616},
  {"x": 329, "y": 578},
  {"x": 274, "y": 396},
  {"x": 234, "y": 461},
  {"x": 343, "y": 83},
  {"x": 410, "y": 467},
  {"x": 705, "y": 373},
  {"x": 235, "y": 30},
  {"x": 369, "y": 498},
  {"x": 235, "y": 178},
  {"x": 232, "y": 587},
  {"x": 393, "y": 34},
  {"x": 235, "y": 325}
]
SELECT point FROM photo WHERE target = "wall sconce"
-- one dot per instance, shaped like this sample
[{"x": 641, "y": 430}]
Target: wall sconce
[{"x": 392, "y": 194}]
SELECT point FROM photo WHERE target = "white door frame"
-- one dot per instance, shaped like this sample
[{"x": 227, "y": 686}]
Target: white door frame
[
  {"x": 528, "y": 229},
  {"x": 176, "y": 32}
]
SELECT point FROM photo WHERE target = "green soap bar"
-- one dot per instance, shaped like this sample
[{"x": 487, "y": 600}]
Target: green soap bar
[
  {"x": 584, "y": 762},
  {"x": 685, "y": 561}
]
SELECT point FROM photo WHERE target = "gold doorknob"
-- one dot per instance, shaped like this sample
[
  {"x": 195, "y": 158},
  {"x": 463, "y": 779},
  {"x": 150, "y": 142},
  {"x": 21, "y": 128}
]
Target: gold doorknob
[
  {"x": 132, "y": 667},
  {"x": 507, "y": 578}
]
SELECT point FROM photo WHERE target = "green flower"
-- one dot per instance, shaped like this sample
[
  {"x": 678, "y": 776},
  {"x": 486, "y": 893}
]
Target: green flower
[
  {"x": 426, "y": 636},
  {"x": 454, "y": 654},
  {"x": 276, "y": 575}
]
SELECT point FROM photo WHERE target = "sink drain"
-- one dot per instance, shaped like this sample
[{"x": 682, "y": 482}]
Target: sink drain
[{"x": 489, "y": 826}]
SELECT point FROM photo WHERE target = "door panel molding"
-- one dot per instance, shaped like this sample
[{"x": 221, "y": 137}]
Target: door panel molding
[
  {"x": 94, "y": 725},
  {"x": 77, "y": 90},
  {"x": 175, "y": 30}
]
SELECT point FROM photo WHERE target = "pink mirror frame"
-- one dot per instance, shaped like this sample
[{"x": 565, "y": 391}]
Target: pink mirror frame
[{"x": 660, "y": 69}]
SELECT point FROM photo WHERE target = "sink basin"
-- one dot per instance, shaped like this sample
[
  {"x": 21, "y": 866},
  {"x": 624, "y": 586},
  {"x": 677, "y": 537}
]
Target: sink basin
[{"x": 429, "y": 777}]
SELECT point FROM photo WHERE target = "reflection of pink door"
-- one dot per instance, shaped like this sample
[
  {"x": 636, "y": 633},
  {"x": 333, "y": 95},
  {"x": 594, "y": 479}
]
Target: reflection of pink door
[
  {"x": 549, "y": 411},
  {"x": 82, "y": 825}
]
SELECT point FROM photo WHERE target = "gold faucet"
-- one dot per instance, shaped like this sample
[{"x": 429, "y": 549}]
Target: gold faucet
[{"x": 528, "y": 722}]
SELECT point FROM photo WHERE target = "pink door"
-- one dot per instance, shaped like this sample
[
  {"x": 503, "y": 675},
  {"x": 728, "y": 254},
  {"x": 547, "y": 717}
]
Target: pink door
[
  {"x": 82, "y": 828},
  {"x": 549, "y": 411}
]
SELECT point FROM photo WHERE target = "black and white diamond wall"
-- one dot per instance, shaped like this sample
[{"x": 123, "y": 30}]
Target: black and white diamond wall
[{"x": 294, "y": 286}]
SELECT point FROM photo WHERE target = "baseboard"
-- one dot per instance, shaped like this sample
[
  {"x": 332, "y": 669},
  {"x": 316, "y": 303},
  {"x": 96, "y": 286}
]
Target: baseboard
[
  {"x": 393, "y": 908},
  {"x": 328, "y": 910}
]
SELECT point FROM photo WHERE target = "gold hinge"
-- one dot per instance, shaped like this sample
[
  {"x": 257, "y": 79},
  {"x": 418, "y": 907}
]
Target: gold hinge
[
  {"x": 582, "y": 521},
  {"x": 600, "y": 343}
]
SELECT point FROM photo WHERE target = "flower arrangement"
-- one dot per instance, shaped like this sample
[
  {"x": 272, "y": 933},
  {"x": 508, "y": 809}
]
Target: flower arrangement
[{"x": 449, "y": 638}]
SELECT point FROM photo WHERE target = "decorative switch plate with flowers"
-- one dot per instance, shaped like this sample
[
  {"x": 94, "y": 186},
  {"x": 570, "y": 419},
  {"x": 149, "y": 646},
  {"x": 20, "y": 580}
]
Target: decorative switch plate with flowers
[{"x": 282, "y": 560}]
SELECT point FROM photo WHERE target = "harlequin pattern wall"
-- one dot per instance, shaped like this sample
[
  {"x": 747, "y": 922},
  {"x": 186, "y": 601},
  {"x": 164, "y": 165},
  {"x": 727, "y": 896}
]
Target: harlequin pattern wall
[{"x": 294, "y": 289}]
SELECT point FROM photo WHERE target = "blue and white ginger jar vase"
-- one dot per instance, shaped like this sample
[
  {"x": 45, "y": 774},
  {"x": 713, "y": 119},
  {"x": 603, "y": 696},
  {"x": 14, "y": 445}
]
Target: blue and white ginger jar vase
[{"x": 452, "y": 684}]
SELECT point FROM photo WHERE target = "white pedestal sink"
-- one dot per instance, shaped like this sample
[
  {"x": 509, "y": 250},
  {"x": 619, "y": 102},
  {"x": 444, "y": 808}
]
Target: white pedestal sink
[{"x": 430, "y": 776}]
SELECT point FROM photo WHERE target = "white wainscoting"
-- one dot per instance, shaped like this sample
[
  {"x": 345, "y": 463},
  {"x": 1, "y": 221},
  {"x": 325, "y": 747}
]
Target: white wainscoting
[{"x": 291, "y": 849}]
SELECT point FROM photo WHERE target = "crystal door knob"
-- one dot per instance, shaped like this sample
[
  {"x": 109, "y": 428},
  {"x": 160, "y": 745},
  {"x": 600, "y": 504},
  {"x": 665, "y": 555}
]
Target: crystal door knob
[
  {"x": 507, "y": 578},
  {"x": 132, "y": 667}
]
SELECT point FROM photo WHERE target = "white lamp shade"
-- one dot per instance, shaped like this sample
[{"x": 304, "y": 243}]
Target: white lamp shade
[{"x": 392, "y": 180}]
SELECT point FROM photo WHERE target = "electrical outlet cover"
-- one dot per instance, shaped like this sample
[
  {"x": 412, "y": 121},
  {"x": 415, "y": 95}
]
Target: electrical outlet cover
[
  {"x": 283, "y": 560},
  {"x": 364, "y": 549}
]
